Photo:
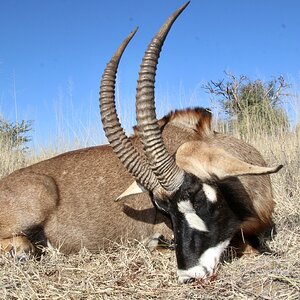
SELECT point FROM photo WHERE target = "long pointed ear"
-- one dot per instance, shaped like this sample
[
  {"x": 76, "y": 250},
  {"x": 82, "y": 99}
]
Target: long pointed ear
[
  {"x": 134, "y": 188},
  {"x": 204, "y": 161}
]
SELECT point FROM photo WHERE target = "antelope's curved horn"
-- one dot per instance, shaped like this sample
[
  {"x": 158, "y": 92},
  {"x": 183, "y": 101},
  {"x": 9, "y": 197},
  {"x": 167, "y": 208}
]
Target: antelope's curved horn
[
  {"x": 114, "y": 132},
  {"x": 162, "y": 163}
]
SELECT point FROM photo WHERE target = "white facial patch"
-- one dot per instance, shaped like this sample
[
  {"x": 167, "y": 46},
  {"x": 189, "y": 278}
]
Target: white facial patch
[
  {"x": 208, "y": 262},
  {"x": 210, "y": 258},
  {"x": 192, "y": 218},
  {"x": 210, "y": 193}
]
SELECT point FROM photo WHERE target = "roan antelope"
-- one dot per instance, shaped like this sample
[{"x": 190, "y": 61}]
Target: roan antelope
[{"x": 204, "y": 185}]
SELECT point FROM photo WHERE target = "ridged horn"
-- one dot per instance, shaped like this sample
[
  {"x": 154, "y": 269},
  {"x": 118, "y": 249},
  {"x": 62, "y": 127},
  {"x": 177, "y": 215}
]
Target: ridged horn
[
  {"x": 163, "y": 165},
  {"x": 114, "y": 132}
]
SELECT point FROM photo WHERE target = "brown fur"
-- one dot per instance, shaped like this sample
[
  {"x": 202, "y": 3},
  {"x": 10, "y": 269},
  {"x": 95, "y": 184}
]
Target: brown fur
[
  {"x": 68, "y": 200},
  {"x": 197, "y": 120}
]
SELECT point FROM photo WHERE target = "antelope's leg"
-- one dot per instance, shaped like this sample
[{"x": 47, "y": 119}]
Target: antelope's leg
[
  {"x": 162, "y": 238},
  {"x": 26, "y": 201},
  {"x": 18, "y": 246}
]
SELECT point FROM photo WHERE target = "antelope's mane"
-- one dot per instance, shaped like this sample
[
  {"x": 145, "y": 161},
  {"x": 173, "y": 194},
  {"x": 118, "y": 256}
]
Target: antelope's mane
[{"x": 197, "y": 119}]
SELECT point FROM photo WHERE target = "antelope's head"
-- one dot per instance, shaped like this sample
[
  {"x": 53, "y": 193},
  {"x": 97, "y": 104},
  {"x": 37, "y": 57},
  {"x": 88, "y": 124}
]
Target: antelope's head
[{"x": 182, "y": 186}]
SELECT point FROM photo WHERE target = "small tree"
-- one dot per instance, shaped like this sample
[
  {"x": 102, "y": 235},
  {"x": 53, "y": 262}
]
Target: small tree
[
  {"x": 13, "y": 139},
  {"x": 16, "y": 134},
  {"x": 251, "y": 105}
]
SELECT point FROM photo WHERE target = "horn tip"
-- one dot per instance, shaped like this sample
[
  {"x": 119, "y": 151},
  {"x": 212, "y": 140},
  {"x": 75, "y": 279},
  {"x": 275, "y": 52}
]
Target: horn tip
[
  {"x": 184, "y": 5},
  {"x": 135, "y": 30}
]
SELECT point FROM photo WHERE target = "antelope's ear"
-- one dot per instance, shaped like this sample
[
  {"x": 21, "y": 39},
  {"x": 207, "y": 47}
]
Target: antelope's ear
[
  {"x": 205, "y": 162},
  {"x": 134, "y": 188}
]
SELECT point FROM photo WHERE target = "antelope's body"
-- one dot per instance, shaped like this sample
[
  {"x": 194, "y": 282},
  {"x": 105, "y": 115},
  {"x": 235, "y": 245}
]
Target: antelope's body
[{"x": 68, "y": 200}]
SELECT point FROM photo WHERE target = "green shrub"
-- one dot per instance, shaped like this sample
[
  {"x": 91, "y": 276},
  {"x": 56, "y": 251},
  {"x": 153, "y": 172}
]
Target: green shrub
[
  {"x": 13, "y": 142},
  {"x": 251, "y": 106}
]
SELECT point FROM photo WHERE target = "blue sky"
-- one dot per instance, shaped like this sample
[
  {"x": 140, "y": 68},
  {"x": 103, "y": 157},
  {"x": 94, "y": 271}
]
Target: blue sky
[{"x": 52, "y": 55}]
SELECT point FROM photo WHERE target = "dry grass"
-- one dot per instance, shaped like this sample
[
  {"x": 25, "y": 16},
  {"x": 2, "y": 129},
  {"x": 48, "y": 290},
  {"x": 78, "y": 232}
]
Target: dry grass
[
  {"x": 9, "y": 160},
  {"x": 129, "y": 271}
]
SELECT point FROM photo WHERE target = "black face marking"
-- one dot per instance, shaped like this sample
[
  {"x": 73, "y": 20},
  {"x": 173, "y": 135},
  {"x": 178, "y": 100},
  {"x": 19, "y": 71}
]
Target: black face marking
[
  {"x": 189, "y": 207},
  {"x": 239, "y": 201}
]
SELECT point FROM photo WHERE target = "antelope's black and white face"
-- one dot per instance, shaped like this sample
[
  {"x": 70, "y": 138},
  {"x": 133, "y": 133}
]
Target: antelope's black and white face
[{"x": 203, "y": 225}]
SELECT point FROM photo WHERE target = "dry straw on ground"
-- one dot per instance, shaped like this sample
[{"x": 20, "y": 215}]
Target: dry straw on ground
[{"x": 129, "y": 271}]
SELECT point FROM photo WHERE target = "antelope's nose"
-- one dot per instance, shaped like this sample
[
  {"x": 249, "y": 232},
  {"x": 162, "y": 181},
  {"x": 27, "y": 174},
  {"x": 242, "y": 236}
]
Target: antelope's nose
[{"x": 190, "y": 275}]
